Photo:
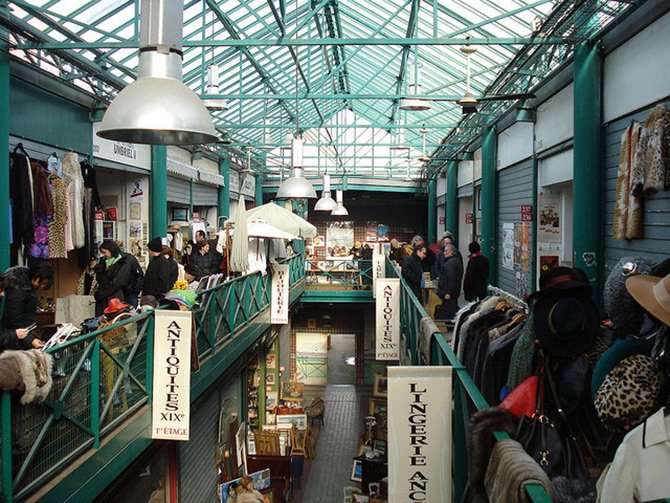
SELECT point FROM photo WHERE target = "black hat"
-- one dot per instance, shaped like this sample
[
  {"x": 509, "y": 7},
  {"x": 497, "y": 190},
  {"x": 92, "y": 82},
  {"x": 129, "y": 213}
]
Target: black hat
[
  {"x": 155, "y": 245},
  {"x": 565, "y": 325},
  {"x": 561, "y": 280}
]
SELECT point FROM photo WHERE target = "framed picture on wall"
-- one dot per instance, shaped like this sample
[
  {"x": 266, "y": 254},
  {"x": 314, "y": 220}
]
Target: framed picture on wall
[
  {"x": 357, "y": 471},
  {"x": 180, "y": 214},
  {"x": 270, "y": 378},
  {"x": 271, "y": 361},
  {"x": 380, "y": 386},
  {"x": 292, "y": 391}
]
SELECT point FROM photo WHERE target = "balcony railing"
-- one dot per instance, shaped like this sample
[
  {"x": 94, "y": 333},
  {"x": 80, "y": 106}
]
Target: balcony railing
[
  {"x": 100, "y": 379},
  {"x": 339, "y": 275}
]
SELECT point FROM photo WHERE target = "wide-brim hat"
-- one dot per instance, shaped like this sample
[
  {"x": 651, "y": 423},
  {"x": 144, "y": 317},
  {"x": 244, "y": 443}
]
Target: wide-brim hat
[
  {"x": 561, "y": 280},
  {"x": 624, "y": 312},
  {"x": 115, "y": 305},
  {"x": 653, "y": 294},
  {"x": 565, "y": 325}
]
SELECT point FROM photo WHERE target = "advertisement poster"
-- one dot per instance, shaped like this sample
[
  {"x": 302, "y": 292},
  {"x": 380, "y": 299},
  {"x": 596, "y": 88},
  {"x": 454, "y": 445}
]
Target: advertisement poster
[
  {"x": 170, "y": 411},
  {"x": 382, "y": 232},
  {"x": 339, "y": 239},
  {"x": 371, "y": 231},
  {"x": 280, "y": 294},
  {"x": 548, "y": 262},
  {"x": 136, "y": 190},
  {"x": 378, "y": 269},
  {"x": 387, "y": 319},
  {"x": 524, "y": 246},
  {"x": 419, "y": 434},
  {"x": 508, "y": 246},
  {"x": 549, "y": 216}
]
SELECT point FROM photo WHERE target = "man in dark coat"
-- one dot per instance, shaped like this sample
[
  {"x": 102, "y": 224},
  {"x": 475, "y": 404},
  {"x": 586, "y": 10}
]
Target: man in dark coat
[
  {"x": 412, "y": 271},
  {"x": 21, "y": 303},
  {"x": 204, "y": 261},
  {"x": 136, "y": 281},
  {"x": 476, "y": 275},
  {"x": 449, "y": 284},
  {"x": 157, "y": 277}
]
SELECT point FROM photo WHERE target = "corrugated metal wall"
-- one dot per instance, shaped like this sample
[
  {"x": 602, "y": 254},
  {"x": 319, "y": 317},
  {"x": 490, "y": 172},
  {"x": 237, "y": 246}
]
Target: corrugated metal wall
[
  {"x": 656, "y": 234},
  {"x": 515, "y": 188},
  {"x": 178, "y": 190},
  {"x": 205, "y": 195},
  {"x": 197, "y": 472}
]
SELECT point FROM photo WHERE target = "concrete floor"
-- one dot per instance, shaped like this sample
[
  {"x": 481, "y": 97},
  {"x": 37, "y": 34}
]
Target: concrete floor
[{"x": 342, "y": 347}]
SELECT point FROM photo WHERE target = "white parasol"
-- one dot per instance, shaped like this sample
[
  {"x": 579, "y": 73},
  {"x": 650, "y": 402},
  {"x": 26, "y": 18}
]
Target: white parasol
[{"x": 239, "y": 257}]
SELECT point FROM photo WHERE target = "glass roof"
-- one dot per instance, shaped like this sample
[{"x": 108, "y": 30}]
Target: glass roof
[{"x": 334, "y": 71}]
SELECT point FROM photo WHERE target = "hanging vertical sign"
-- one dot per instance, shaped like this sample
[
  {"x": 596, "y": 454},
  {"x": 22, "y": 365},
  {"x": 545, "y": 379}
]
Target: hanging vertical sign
[
  {"x": 419, "y": 434},
  {"x": 387, "y": 324},
  {"x": 170, "y": 410},
  {"x": 280, "y": 295},
  {"x": 378, "y": 269}
]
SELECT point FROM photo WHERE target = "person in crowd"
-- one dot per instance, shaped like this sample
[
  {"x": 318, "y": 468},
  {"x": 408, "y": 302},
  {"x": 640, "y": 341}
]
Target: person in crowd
[
  {"x": 174, "y": 268},
  {"x": 395, "y": 250},
  {"x": 190, "y": 275},
  {"x": 366, "y": 265},
  {"x": 356, "y": 251},
  {"x": 476, "y": 275},
  {"x": 449, "y": 284},
  {"x": 246, "y": 492},
  {"x": 112, "y": 274},
  {"x": 200, "y": 237},
  {"x": 20, "y": 310},
  {"x": 204, "y": 261},
  {"x": 136, "y": 281},
  {"x": 11, "y": 338},
  {"x": 428, "y": 262},
  {"x": 412, "y": 271},
  {"x": 157, "y": 278}
]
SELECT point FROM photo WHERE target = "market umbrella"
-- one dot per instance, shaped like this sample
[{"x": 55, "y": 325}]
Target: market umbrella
[
  {"x": 260, "y": 229},
  {"x": 239, "y": 257},
  {"x": 282, "y": 219}
]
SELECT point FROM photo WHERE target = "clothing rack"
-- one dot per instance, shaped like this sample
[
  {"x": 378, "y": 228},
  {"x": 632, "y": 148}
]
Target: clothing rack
[{"x": 512, "y": 299}]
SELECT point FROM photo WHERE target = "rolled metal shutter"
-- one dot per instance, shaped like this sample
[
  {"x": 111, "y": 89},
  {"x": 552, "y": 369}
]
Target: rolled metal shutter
[
  {"x": 515, "y": 188},
  {"x": 178, "y": 190},
  {"x": 205, "y": 195}
]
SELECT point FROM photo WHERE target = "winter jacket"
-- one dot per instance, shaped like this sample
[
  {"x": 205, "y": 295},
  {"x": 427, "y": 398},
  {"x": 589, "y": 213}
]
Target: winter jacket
[
  {"x": 174, "y": 271},
  {"x": 20, "y": 193},
  {"x": 9, "y": 340},
  {"x": 112, "y": 282},
  {"x": 136, "y": 280},
  {"x": 20, "y": 302},
  {"x": 204, "y": 264},
  {"x": 157, "y": 278},
  {"x": 476, "y": 277},
  {"x": 412, "y": 273},
  {"x": 449, "y": 279}
]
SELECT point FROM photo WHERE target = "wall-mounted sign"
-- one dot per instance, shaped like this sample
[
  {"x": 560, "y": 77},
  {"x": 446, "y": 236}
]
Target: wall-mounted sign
[
  {"x": 468, "y": 218},
  {"x": 508, "y": 246},
  {"x": 549, "y": 230},
  {"x": 419, "y": 434},
  {"x": 526, "y": 213},
  {"x": 248, "y": 184},
  {"x": 131, "y": 154},
  {"x": 378, "y": 269},
  {"x": 170, "y": 412},
  {"x": 387, "y": 326},
  {"x": 280, "y": 294},
  {"x": 442, "y": 221}
]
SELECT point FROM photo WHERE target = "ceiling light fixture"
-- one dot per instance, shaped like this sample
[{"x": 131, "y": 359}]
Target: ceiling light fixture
[
  {"x": 158, "y": 108},
  {"x": 424, "y": 157},
  {"x": 340, "y": 210},
  {"x": 468, "y": 102},
  {"x": 326, "y": 202},
  {"x": 214, "y": 104},
  {"x": 415, "y": 104}
]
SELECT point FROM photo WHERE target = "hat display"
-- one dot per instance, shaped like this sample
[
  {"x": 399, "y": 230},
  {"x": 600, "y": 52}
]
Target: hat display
[
  {"x": 614, "y": 355},
  {"x": 628, "y": 394},
  {"x": 565, "y": 326},
  {"x": 155, "y": 245},
  {"x": 115, "y": 305},
  {"x": 621, "y": 308},
  {"x": 653, "y": 294}
]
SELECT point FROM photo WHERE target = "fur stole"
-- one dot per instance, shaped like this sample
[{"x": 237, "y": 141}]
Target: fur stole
[
  {"x": 482, "y": 425},
  {"x": 28, "y": 372}
]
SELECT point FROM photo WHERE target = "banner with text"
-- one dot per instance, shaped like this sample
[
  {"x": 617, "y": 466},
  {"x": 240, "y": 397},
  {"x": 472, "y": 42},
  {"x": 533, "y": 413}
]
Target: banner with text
[
  {"x": 378, "y": 269},
  {"x": 171, "y": 407},
  {"x": 387, "y": 326},
  {"x": 419, "y": 434},
  {"x": 280, "y": 294}
]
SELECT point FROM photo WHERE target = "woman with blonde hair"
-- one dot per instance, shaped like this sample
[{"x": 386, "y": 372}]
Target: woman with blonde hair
[{"x": 246, "y": 492}]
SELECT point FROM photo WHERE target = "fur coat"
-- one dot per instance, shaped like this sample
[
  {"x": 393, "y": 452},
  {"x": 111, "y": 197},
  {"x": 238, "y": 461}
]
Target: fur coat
[
  {"x": 27, "y": 372},
  {"x": 72, "y": 174},
  {"x": 627, "y": 222}
]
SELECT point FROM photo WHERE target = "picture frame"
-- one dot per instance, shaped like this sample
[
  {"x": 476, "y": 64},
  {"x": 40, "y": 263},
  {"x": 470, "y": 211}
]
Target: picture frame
[
  {"x": 271, "y": 399},
  {"x": 380, "y": 386},
  {"x": 270, "y": 379},
  {"x": 298, "y": 420},
  {"x": 357, "y": 471},
  {"x": 239, "y": 446},
  {"x": 292, "y": 391},
  {"x": 380, "y": 446},
  {"x": 271, "y": 361},
  {"x": 377, "y": 405},
  {"x": 180, "y": 214}
]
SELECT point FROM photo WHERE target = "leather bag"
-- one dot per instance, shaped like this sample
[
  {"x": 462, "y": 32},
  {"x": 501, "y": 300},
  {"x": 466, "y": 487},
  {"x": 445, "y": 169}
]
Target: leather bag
[{"x": 522, "y": 401}]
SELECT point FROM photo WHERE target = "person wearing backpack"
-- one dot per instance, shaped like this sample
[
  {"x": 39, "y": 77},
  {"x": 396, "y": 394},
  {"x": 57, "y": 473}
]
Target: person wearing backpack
[{"x": 134, "y": 287}]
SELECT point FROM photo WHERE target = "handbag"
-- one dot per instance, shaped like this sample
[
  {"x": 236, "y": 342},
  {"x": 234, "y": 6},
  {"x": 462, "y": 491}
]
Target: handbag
[
  {"x": 557, "y": 452},
  {"x": 522, "y": 401}
]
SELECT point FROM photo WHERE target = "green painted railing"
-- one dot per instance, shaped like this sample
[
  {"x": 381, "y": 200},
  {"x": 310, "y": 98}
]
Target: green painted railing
[
  {"x": 345, "y": 273},
  {"x": 467, "y": 397},
  {"x": 99, "y": 382}
]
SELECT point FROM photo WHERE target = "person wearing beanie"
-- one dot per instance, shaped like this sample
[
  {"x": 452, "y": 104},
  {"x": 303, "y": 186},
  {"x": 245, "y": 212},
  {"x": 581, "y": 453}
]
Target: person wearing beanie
[
  {"x": 157, "y": 278},
  {"x": 476, "y": 274},
  {"x": 113, "y": 275}
]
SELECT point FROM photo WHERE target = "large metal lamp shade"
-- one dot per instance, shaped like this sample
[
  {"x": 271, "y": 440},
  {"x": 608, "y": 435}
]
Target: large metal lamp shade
[
  {"x": 326, "y": 202},
  {"x": 158, "y": 108},
  {"x": 296, "y": 185},
  {"x": 340, "y": 210}
]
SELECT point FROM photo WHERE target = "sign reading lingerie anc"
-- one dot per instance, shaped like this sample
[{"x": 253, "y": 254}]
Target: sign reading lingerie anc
[
  {"x": 280, "y": 294},
  {"x": 419, "y": 434},
  {"x": 387, "y": 326},
  {"x": 378, "y": 269},
  {"x": 170, "y": 410}
]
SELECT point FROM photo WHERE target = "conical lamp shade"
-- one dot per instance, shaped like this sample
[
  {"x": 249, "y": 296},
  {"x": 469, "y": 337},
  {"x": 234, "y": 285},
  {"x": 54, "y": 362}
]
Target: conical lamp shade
[
  {"x": 340, "y": 210},
  {"x": 296, "y": 186},
  {"x": 326, "y": 202}
]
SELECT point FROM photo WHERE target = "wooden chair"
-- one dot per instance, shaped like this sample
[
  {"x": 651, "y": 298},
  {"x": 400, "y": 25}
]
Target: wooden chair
[
  {"x": 315, "y": 411},
  {"x": 267, "y": 443},
  {"x": 298, "y": 441}
]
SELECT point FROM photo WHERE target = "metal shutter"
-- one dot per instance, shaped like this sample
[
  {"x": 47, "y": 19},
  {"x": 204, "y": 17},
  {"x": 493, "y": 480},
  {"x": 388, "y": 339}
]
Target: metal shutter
[
  {"x": 205, "y": 195},
  {"x": 515, "y": 188},
  {"x": 178, "y": 190},
  {"x": 656, "y": 218}
]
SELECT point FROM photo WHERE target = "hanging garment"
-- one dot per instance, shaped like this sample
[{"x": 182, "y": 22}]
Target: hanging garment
[
  {"x": 72, "y": 172},
  {"x": 634, "y": 218},
  {"x": 623, "y": 192},
  {"x": 20, "y": 193},
  {"x": 653, "y": 150},
  {"x": 69, "y": 244},
  {"x": 60, "y": 216},
  {"x": 43, "y": 212}
]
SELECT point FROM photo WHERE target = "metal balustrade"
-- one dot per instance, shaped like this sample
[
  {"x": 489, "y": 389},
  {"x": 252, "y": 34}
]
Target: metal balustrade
[
  {"x": 100, "y": 379},
  {"x": 344, "y": 274}
]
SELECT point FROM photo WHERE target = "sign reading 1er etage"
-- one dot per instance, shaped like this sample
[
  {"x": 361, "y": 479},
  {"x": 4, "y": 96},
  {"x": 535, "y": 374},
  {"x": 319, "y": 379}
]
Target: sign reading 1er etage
[
  {"x": 387, "y": 319},
  {"x": 170, "y": 410},
  {"x": 419, "y": 434}
]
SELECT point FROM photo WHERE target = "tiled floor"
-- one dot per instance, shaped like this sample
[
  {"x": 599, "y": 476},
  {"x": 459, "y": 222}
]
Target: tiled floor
[{"x": 336, "y": 444}]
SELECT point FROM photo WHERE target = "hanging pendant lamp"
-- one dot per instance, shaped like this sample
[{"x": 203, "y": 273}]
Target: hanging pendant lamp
[
  {"x": 296, "y": 185},
  {"x": 411, "y": 104},
  {"x": 326, "y": 203},
  {"x": 340, "y": 210},
  {"x": 158, "y": 108}
]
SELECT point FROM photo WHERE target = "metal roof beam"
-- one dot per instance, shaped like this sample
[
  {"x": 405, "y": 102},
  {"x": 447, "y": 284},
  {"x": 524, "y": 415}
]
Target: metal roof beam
[{"x": 411, "y": 29}]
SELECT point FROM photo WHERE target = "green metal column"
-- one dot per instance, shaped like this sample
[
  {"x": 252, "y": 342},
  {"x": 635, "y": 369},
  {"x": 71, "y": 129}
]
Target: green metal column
[
  {"x": 451, "y": 208},
  {"x": 224, "y": 192},
  {"x": 432, "y": 211},
  {"x": 259, "y": 189},
  {"x": 4, "y": 148},
  {"x": 158, "y": 211},
  {"x": 489, "y": 213},
  {"x": 587, "y": 163}
]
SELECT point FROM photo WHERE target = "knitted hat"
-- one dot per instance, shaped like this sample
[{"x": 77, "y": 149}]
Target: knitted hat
[
  {"x": 155, "y": 245},
  {"x": 625, "y": 313},
  {"x": 653, "y": 294},
  {"x": 565, "y": 325},
  {"x": 628, "y": 394}
]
